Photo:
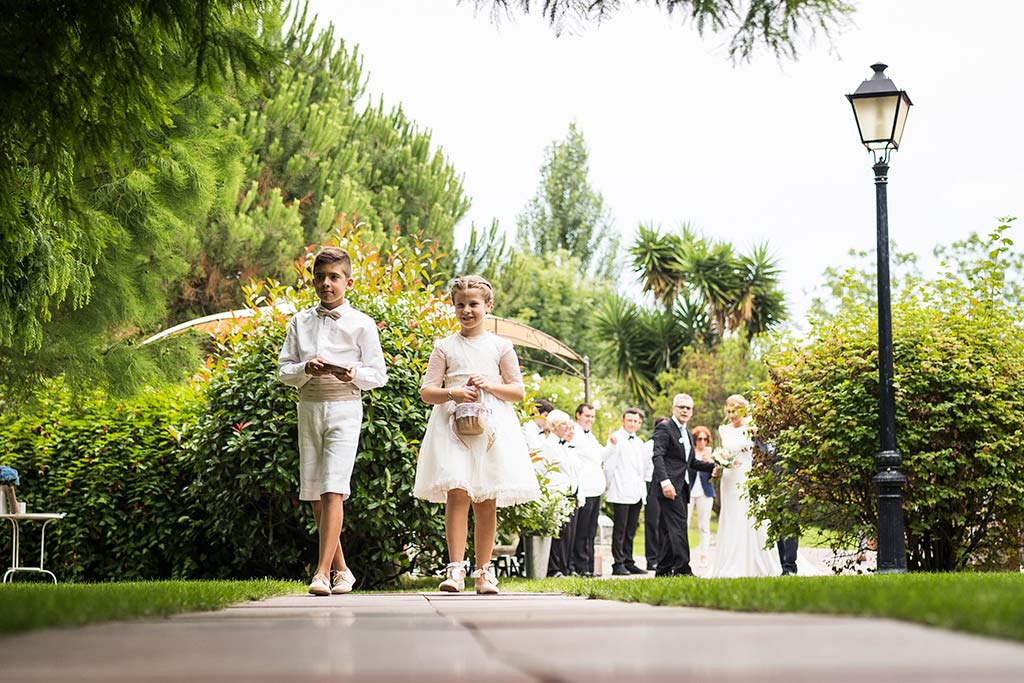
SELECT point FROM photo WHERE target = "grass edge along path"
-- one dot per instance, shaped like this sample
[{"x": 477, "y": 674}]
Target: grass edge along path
[
  {"x": 989, "y": 604},
  {"x": 29, "y": 606}
]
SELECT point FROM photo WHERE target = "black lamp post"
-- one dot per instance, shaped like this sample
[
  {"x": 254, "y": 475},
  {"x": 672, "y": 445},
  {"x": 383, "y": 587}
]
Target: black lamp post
[{"x": 881, "y": 112}]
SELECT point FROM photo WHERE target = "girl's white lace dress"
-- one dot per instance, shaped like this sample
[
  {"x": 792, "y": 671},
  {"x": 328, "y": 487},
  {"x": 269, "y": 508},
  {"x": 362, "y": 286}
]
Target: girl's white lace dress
[{"x": 494, "y": 465}]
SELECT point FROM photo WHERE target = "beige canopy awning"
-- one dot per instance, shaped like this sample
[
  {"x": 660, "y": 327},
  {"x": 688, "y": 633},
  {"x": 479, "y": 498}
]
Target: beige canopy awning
[{"x": 518, "y": 333}]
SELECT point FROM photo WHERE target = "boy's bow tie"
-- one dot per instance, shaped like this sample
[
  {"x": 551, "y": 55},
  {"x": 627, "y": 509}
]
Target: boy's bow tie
[
  {"x": 586, "y": 431},
  {"x": 561, "y": 442},
  {"x": 330, "y": 313},
  {"x": 631, "y": 437}
]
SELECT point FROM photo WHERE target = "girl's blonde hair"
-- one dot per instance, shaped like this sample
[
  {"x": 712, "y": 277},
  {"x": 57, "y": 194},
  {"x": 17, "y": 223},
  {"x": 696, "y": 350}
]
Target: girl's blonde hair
[{"x": 467, "y": 282}]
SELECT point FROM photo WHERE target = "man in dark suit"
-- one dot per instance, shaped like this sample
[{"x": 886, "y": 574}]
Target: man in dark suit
[{"x": 675, "y": 469}]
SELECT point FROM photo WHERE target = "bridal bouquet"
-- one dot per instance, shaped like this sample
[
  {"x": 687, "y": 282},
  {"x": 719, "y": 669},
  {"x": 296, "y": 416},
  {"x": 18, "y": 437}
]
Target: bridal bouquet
[{"x": 723, "y": 458}]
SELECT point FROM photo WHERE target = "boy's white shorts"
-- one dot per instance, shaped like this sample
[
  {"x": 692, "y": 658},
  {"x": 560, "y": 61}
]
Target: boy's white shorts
[{"x": 328, "y": 439}]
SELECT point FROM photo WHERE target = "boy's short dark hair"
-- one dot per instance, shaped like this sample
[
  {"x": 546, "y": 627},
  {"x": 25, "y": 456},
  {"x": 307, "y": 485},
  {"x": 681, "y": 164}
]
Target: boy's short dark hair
[
  {"x": 633, "y": 411},
  {"x": 542, "y": 406},
  {"x": 329, "y": 255},
  {"x": 581, "y": 407},
  {"x": 661, "y": 418}
]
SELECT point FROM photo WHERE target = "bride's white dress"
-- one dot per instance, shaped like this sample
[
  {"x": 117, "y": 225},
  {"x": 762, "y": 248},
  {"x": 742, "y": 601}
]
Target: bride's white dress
[{"x": 740, "y": 549}]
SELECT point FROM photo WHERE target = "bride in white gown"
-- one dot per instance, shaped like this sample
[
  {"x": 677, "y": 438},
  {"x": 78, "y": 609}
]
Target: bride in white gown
[{"x": 740, "y": 548}]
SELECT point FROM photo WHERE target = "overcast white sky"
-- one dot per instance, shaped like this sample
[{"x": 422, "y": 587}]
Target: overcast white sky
[{"x": 750, "y": 152}]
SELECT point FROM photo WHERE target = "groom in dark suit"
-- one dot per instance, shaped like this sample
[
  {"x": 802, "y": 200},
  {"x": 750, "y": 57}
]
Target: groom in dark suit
[{"x": 675, "y": 469}]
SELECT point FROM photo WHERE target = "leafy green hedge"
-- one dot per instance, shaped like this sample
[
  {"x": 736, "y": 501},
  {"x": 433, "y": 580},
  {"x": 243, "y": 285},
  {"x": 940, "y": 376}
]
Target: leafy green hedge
[{"x": 114, "y": 468}]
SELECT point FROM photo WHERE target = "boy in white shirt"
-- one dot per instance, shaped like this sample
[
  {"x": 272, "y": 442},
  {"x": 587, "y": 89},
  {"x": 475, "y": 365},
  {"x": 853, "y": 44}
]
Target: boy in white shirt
[
  {"x": 331, "y": 353},
  {"x": 592, "y": 485},
  {"x": 624, "y": 460}
]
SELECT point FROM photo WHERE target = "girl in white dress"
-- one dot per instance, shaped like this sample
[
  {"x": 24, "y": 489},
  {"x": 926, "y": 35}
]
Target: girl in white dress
[
  {"x": 488, "y": 470},
  {"x": 741, "y": 540}
]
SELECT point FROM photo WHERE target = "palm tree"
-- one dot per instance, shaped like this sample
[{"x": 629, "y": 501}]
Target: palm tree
[
  {"x": 766, "y": 306},
  {"x": 619, "y": 322},
  {"x": 661, "y": 261}
]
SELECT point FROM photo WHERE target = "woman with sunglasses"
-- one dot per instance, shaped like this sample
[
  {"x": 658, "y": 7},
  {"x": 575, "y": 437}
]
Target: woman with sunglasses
[{"x": 702, "y": 495}]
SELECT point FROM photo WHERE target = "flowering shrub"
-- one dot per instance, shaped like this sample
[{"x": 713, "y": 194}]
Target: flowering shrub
[{"x": 9, "y": 476}]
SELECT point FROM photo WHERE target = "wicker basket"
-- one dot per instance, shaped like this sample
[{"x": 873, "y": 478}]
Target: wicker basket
[{"x": 470, "y": 419}]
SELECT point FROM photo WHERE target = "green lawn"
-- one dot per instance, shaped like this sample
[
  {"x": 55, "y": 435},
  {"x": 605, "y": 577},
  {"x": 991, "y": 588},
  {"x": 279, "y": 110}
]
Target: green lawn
[
  {"x": 988, "y": 604},
  {"x": 35, "y": 605}
]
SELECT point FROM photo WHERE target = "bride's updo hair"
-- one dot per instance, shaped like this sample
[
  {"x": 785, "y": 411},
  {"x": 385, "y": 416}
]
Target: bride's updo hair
[
  {"x": 737, "y": 401},
  {"x": 465, "y": 282}
]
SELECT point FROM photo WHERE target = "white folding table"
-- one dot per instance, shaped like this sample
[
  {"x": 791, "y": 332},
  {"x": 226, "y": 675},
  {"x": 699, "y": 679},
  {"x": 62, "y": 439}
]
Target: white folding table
[{"x": 15, "y": 520}]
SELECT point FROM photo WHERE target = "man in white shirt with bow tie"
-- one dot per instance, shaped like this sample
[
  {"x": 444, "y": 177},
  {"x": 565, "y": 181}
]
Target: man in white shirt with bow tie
[
  {"x": 592, "y": 485},
  {"x": 624, "y": 460},
  {"x": 331, "y": 353}
]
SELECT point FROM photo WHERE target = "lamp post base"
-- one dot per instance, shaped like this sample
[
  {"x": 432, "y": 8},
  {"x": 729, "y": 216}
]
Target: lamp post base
[{"x": 892, "y": 545}]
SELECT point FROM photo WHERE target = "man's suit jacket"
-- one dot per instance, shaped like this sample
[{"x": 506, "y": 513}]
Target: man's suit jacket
[{"x": 670, "y": 459}]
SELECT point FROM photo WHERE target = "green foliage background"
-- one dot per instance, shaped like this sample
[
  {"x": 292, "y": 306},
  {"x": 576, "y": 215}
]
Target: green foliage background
[{"x": 959, "y": 382}]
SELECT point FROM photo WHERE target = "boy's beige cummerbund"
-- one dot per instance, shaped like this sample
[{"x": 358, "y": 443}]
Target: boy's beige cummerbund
[{"x": 328, "y": 388}]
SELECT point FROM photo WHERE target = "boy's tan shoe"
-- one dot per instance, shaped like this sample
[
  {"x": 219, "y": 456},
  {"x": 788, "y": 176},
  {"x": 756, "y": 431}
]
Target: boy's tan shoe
[
  {"x": 486, "y": 581},
  {"x": 342, "y": 581},
  {"x": 319, "y": 585},
  {"x": 454, "y": 579}
]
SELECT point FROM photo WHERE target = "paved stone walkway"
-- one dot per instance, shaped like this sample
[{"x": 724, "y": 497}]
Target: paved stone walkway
[{"x": 514, "y": 638}]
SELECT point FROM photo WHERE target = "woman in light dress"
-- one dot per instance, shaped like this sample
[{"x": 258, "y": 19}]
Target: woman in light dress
[{"x": 741, "y": 539}]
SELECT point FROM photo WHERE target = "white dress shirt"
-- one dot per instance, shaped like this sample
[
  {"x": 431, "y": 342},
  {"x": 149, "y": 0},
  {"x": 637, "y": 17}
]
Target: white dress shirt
[
  {"x": 351, "y": 340},
  {"x": 534, "y": 435},
  {"x": 565, "y": 474},
  {"x": 625, "y": 462},
  {"x": 590, "y": 453}
]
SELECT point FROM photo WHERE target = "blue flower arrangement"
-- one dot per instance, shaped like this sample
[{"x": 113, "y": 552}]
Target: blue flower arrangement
[{"x": 9, "y": 476}]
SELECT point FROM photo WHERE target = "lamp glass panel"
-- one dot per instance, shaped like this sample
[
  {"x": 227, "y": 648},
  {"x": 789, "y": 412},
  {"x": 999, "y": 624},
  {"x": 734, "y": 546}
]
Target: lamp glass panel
[
  {"x": 875, "y": 116},
  {"x": 901, "y": 119}
]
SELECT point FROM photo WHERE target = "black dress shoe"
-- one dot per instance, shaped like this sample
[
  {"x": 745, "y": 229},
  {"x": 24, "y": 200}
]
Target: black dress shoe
[
  {"x": 587, "y": 575},
  {"x": 633, "y": 569},
  {"x": 556, "y": 575},
  {"x": 620, "y": 571}
]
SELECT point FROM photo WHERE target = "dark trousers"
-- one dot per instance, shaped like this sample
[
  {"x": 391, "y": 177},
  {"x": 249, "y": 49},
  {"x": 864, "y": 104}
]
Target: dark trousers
[
  {"x": 652, "y": 535},
  {"x": 787, "y": 554},
  {"x": 561, "y": 547},
  {"x": 626, "y": 517},
  {"x": 582, "y": 560},
  {"x": 674, "y": 558}
]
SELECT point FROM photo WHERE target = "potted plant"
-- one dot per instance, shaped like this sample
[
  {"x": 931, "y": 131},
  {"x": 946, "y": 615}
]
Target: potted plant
[
  {"x": 538, "y": 521},
  {"x": 8, "y": 480}
]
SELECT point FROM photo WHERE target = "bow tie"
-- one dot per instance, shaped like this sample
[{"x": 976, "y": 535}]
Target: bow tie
[
  {"x": 329, "y": 312},
  {"x": 631, "y": 438},
  {"x": 561, "y": 442},
  {"x": 586, "y": 431}
]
